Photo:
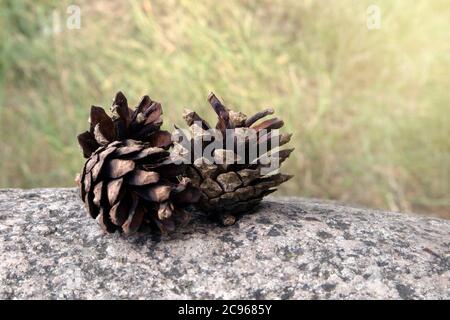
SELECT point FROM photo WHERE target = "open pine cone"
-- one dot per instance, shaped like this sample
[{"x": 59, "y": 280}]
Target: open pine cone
[
  {"x": 229, "y": 189},
  {"x": 131, "y": 185}
]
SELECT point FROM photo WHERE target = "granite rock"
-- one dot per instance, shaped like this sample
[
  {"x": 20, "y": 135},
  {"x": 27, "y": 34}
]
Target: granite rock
[{"x": 291, "y": 248}]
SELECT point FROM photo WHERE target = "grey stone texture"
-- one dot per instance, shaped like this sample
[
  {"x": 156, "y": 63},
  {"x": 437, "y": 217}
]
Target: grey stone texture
[{"x": 290, "y": 248}]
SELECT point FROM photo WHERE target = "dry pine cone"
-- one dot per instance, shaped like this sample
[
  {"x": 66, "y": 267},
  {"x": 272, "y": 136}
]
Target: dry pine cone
[
  {"x": 131, "y": 185},
  {"x": 231, "y": 189}
]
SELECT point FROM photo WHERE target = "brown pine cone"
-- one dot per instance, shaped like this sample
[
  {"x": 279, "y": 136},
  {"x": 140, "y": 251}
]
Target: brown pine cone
[
  {"x": 129, "y": 181},
  {"x": 229, "y": 189}
]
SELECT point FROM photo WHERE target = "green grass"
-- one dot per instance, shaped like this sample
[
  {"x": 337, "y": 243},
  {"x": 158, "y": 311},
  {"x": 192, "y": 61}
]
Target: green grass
[{"x": 369, "y": 108}]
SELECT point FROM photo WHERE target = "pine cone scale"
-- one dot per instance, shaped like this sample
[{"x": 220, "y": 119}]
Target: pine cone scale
[
  {"x": 114, "y": 189},
  {"x": 134, "y": 220},
  {"x": 88, "y": 143},
  {"x": 264, "y": 113},
  {"x": 142, "y": 178},
  {"x": 156, "y": 193},
  {"x": 127, "y": 150},
  {"x": 98, "y": 190},
  {"x": 117, "y": 168},
  {"x": 98, "y": 115}
]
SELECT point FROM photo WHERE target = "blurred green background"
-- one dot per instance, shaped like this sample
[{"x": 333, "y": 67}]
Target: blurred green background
[{"x": 370, "y": 109}]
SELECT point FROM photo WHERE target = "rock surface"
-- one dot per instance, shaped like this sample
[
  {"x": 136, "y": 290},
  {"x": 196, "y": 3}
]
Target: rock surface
[{"x": 290, "y": 249}]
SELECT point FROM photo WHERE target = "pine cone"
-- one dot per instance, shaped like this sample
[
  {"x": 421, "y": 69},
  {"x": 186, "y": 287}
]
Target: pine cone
[
  {"x": 142, "y": 124},
  {"x": 229, "y": 189},
  {"x": 131, "y": 185}
]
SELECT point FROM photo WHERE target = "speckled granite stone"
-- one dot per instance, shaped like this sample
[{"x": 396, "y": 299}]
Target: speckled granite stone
[{"x": 289, "y": 249}]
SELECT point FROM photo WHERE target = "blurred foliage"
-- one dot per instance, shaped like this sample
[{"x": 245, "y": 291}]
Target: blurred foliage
[{"x": 369, "y": 108}]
